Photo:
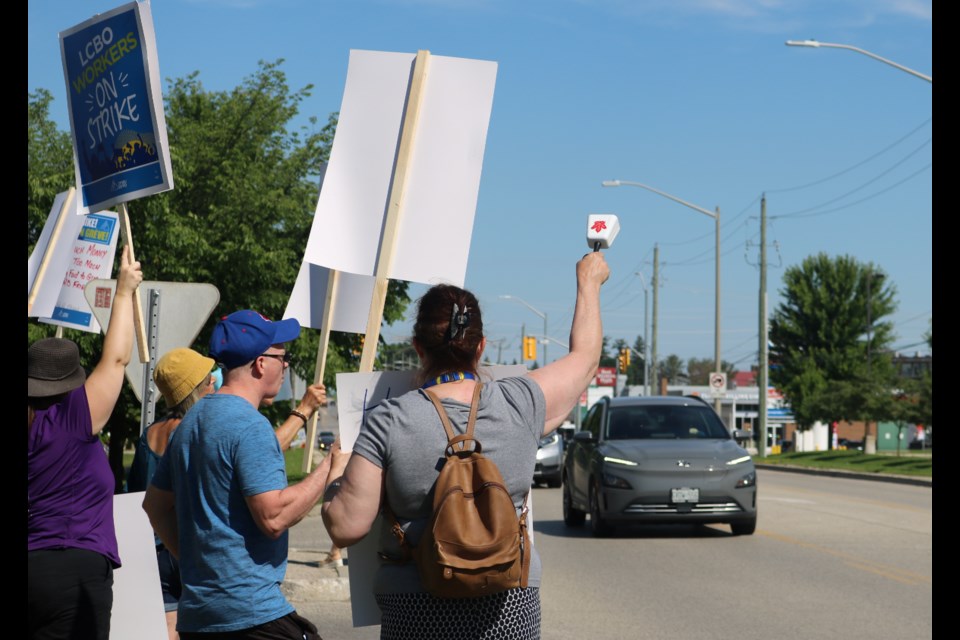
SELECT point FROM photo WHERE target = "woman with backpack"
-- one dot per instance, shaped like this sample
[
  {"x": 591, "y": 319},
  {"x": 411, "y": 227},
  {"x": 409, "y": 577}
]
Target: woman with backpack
[{"x": 401, "y": 446}]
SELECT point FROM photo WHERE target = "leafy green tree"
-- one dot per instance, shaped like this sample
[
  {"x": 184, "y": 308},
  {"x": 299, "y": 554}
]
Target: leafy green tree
[
  {"x": 671, "y": 368},
  {"x": 635, "y": 371},
  {"x": 820, "y": 355},
  {"x": 245, "y": 189}
]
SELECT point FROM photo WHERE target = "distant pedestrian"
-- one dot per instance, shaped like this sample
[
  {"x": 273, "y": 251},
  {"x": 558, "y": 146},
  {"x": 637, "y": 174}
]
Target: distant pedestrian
[
  {"x": 71, "y": 541},
  {"x": 219, "y": 498}
]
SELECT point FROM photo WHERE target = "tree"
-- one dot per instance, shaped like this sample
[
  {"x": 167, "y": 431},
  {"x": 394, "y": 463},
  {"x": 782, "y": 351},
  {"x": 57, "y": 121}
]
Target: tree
[
  {"x": 820, "y": 355},
  {"x": 245, "y": 189},
  {"x": 636, "y": 370},
  {"x": 671, "y": 368},
  {"x": 699, "y": 370}
]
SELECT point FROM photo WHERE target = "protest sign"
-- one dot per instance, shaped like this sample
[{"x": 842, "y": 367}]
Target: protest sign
[
  {"x": 91, "y": 258},
  {"x": 115, "y": 105},
  {"x": 50, "y": 256}
]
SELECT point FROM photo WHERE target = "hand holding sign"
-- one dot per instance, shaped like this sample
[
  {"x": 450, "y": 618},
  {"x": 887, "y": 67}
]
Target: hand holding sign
[{"x": 601, "y": 230}]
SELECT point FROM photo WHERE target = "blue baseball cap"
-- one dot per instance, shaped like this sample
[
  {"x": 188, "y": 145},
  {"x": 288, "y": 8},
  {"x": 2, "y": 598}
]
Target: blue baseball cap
[{"x": 243, "y": 335}]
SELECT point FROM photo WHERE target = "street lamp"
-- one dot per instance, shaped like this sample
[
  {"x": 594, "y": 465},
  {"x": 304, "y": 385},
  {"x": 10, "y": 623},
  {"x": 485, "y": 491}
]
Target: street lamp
[
  {"x": 716, "y": 218},
  {"x": 539, "y": 313},
  {"x": 815, "y": 45},
  {"x": 646, "y": 345}
]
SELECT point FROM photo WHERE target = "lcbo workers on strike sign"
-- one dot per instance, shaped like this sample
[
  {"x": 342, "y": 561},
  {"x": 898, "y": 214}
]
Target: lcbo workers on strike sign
[{"x": 116, "y": 107}]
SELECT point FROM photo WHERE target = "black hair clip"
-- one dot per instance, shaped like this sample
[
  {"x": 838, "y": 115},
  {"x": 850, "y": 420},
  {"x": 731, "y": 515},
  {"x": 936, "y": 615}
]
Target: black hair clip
[{"x": 458, "y": 321}]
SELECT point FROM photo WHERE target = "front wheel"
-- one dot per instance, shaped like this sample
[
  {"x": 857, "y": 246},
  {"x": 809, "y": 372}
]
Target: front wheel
[
  {"x": 571, "y": 517},
  {"x": 598, "y": 526}
]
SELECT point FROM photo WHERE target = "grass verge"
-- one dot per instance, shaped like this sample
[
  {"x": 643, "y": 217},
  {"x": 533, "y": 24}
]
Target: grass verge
[{"x": 906, "y": 464}]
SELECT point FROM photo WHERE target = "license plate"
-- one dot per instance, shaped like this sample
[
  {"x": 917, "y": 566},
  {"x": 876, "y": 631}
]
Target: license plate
[{"x": 684, "y": 495}]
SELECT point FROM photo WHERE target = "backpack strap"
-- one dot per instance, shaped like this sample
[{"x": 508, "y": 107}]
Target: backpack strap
[{"x": 452, "y": 440}]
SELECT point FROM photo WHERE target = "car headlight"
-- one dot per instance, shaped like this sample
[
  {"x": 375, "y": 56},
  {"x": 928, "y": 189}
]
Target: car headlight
[
  {"x": 620, "y": 461},
  {"x": 550, "y": 439},
  {"x": 748, "y": 480},
  {"x": 741, "y": 460},
  {"x": 614, "y": 482}
]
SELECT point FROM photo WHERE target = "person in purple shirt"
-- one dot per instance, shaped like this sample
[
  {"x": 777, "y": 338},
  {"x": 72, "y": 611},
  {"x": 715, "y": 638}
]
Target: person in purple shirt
[{"x": 71, "y": 541}]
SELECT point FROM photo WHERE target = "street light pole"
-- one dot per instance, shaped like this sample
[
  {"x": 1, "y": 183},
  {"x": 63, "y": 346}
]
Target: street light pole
[
  {"x": 539, "y": 313},
  {"x": 716, "y": 311},
  {"x": 814, "y": 44}
]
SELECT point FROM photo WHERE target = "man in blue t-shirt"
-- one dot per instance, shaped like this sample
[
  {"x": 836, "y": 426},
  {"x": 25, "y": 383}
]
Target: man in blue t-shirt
[{"x": 219, "y": 499}]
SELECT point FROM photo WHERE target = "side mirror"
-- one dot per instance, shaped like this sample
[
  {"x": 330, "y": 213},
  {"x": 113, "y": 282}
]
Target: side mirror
[
  {"x": 583, "y": 436},
  {"x": 741, "y": 434},
  {"x": 566, "y": 432}
]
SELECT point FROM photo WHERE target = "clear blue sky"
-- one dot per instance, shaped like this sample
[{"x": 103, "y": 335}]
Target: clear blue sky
[{"x": 701, "y": 99}]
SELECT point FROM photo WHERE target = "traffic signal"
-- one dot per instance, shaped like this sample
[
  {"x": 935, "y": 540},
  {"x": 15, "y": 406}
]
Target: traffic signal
[
  {"x": 529, "y": 348},
  {"x": 623, "y": 360}
]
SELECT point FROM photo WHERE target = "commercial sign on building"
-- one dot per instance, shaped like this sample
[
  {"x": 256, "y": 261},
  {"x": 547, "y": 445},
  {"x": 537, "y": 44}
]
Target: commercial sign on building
[{"x": 606, "y": 376}]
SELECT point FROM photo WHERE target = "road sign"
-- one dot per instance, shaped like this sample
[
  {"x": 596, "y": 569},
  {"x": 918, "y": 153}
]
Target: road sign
[
  {"x": 183, "y": 309},
  {"x": 718, "y": 384}
]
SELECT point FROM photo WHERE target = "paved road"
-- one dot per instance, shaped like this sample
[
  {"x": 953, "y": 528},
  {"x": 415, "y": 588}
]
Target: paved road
[{"x": 832, "y": 557}]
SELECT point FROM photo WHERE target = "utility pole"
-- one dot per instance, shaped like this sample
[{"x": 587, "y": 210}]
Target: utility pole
[
  {"x": 869, "y": 439},
  {"x": 655, "y": 369},
  {"x": 763, "y": 368}
]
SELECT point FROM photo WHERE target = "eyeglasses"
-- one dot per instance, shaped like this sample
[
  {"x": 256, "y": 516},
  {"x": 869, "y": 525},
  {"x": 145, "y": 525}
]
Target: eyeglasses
[{"x": 283, "y": 357}]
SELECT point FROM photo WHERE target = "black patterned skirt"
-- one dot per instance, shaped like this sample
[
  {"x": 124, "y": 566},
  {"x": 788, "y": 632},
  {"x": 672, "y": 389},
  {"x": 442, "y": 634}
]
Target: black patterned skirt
[{"x": 512, "y": 615}]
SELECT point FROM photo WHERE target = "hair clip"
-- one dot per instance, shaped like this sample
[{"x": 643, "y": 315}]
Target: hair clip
[{"x": 458, "y": 321}]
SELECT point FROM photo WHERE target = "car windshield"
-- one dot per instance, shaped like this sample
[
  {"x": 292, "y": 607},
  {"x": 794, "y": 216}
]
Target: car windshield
[{"x": 664, "y": 422}]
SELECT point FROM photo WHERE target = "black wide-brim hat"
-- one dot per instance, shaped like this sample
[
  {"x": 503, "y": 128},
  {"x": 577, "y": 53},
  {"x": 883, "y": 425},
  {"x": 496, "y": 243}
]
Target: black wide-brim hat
[{"x": 53, "y": 367}]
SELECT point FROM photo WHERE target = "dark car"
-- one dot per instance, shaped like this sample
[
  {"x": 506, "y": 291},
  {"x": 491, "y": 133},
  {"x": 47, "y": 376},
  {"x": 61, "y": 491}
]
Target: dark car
[
  {"x": 325, "y": 440},
  {"x": 657, "y": 459}
]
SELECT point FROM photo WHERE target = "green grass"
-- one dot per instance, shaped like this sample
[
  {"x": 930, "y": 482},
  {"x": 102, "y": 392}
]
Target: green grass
[
  {"x": 293, "y": 458},
  {"x": 912, "y": 463}
]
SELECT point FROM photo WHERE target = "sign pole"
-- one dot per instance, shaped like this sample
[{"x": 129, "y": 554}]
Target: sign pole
[
  {"x": 138, "y": 326},
  {"x": 394, "y": 208},
  {"x": 321, "y": 366}
]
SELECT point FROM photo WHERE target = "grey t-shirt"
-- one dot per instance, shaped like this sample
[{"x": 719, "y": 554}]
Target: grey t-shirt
[{"x": 404, "y": 436}]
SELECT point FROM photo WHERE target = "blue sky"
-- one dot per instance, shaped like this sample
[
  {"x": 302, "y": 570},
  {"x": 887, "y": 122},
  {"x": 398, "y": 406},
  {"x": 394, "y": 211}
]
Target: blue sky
[{"x": 700, "y": 99}]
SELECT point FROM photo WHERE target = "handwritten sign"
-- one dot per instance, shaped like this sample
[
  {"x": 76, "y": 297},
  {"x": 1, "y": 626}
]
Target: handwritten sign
[
  {"x": 91, "y": 258},
  {"x": 116, "y": 107}
]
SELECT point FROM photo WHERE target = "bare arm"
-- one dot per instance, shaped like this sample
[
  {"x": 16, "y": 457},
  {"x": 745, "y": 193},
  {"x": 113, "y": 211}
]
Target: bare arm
[
  {"x": 353, "y": 497},
  {"x": 563, "y": 380},
  {"x": 315, "y": 396},
  {"x": 276, "y": 511},
  {"x": 105, "y": 381},
  {"x": 159, "y": 505}
]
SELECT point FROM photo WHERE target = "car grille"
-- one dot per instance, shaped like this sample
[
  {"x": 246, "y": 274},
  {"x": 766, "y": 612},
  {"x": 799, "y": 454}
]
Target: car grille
[{"x": 705, "y": 508}]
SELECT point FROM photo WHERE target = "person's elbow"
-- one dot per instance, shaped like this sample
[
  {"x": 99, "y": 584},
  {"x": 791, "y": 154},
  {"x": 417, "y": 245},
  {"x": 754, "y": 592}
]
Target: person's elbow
[{"x": 343, "y": 532}]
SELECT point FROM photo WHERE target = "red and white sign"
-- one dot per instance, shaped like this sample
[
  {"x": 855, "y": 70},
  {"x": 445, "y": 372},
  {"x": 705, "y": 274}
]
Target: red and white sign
[{"x": 606, "y": 376}]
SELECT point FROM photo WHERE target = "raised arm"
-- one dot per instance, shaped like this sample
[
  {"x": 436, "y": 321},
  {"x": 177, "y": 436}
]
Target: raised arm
[
  {"x": 315, "y": 396},
  {"x": 105, "y": 381},
  {"x": 563, "y": 380}
]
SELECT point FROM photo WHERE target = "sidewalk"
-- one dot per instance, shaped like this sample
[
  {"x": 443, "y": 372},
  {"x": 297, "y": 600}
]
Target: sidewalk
[{"x": 307, "y": 580}]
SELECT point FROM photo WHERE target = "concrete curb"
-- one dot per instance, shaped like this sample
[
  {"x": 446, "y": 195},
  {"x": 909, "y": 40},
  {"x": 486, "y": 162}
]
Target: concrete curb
[{"x": 833, "y": 473}]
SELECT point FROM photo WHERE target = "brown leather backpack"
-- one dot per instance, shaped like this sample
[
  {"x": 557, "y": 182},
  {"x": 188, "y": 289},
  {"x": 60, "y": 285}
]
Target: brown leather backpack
[{"x": 474, "y": 543}]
